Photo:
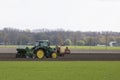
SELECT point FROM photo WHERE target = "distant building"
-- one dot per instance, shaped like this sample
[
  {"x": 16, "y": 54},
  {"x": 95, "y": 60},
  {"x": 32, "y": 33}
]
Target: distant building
[{"x": 113, "y": 43}]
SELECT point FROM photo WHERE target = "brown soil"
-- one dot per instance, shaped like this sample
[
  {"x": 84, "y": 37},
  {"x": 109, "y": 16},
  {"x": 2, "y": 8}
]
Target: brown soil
[
  {"x": 8, "y": 54},
  {"x": 68, "y": 57}
]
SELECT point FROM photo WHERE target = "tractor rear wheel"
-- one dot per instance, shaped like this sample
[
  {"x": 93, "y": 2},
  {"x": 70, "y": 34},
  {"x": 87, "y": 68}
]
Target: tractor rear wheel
[
  {"x": 40, "y": 54},
  {"x": 54, "y": 55}
]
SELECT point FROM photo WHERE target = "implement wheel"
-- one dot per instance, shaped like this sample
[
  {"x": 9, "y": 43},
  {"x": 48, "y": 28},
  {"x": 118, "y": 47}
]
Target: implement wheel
[
  {"x": 54, "y": 55},
  {"x": 40, "y": 54}
]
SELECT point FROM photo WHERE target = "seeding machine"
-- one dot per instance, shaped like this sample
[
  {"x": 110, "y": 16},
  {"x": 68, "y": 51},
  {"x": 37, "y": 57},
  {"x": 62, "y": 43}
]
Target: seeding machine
[{"x": 42, "y": 49}]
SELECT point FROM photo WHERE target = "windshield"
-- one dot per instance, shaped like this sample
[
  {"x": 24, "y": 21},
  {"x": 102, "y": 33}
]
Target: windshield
[
  {"x": 36, "y": 43},
  {"x": 42, "y": 43}
]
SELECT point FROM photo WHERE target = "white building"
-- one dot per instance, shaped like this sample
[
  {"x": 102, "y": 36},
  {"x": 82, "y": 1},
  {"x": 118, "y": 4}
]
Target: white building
[{"x": 113, "y": 43}]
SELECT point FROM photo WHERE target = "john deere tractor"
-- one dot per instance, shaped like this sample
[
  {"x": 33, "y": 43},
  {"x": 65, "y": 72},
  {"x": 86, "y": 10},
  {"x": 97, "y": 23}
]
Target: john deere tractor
[{"x": 40, "y": 50}]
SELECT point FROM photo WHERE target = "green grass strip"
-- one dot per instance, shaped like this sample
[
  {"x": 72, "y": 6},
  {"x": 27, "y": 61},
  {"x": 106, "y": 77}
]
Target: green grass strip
[{"x": 58, "y": 70}]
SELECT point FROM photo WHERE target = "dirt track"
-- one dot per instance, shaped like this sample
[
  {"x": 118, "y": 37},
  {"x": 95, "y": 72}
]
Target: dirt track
[
  {"x": 71, "y": 57},
  {"x": 76, "y": 55}
]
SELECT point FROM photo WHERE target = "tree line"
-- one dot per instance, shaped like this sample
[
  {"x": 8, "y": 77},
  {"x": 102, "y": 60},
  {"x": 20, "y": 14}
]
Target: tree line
[{"x": 11, "y": 36}]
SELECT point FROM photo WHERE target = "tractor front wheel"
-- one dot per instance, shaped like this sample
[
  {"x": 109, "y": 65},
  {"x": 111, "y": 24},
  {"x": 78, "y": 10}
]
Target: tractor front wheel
[
  {"x": 40, "y": 54},
  {"x": 54, "y": 55}
]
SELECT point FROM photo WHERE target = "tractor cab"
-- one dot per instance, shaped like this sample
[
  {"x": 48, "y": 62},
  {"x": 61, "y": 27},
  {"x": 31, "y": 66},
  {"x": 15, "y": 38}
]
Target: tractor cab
[{"x": 42, "y": 43}]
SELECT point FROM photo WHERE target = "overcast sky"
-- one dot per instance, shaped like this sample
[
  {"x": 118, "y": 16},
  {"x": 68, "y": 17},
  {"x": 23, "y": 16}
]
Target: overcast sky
[{"x": 82, "y": 15}]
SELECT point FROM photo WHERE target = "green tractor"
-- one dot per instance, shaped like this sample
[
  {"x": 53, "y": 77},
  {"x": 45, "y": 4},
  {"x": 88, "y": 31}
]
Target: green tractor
[{"x": 40, "y": 50}]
